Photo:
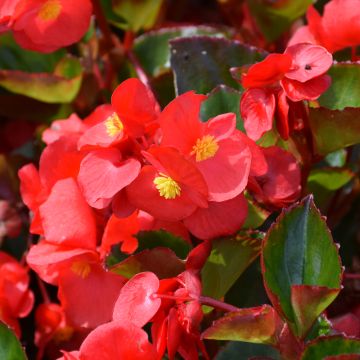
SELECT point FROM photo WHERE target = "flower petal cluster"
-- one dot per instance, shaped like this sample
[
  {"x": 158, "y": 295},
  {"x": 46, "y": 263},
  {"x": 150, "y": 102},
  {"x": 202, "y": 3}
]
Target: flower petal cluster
[
  {"x": 45, "y": 25},
  {"x": 273, "y": 84}
]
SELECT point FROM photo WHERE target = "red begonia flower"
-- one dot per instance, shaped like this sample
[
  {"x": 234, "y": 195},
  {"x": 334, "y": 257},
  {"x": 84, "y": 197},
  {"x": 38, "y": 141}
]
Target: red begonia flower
[
  {"x": 219, "y": 219},
  {"x": 257, "y": 109},
  {"x": 209, "y": 145},
  {"x": 70, "y": 126},
  {"x": 171, "y": 188},
  {"x": 282, "y": 112},
  {"x": 67, "y": 218},
  {"x": 88, "y": 293},
  {"x": 348, "y": 324},
  {"x": 103, "y": 173},
  {"x": 309, "y": 90},
  {"x": 7, "y": 8},
  {"x": 137, "y": 302},
  {"x": 47, "y": 25},
  {"x": 136, "y": 107},
  {"x": 267, "y": 72},
  {"x": 336, "y": 29},
  {"x": 309, "y": 61},
  {"x": 16, "y": 300},
  {"x": 48, "y": 260},
  {"x": 121, "y": 230},
  {"x": 280, "y": 185},
  {"x": 117, "y": 340}
]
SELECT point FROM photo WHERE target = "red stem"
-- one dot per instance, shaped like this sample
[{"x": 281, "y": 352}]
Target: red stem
[
  {"x": 43, "y": 291},
  {"x": 140, "y": 72},
  {"x": 103, "y": 24},
  {"x": 352, "y": 276},
  {"x": 204, "y": 300}
]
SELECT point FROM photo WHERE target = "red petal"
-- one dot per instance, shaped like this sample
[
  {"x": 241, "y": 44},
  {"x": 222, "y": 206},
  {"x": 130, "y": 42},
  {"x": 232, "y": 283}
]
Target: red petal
[
  {"x": 135, "y": 105},
  {"x": 66, "y": 217},
  {"x": 221, "y": 126},
  {"x": 282, "y": 111},
  {"x": 136, "y": 303},
  {"x": 117, "y": 340},
  {"x": 309, "y": 61},
  {"x": 180, "y": 122},
  {"x": 309, "y": 90},
  {"x": 88, "y": 299},
  {"x": 103, "y": 174},
  {"x": 219, "y": 219},
  {"x": 302, "y": 35},
  {"x": 257, "y": 108},
  {"x": 267, "y": 72}
]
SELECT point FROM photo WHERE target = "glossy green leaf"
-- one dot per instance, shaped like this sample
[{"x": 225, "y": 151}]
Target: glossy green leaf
[
  {"x": 331, "y": 345},
  {"x": 321, "y": 327},
  {"x": 153, "y": 51},
  {"x": 345, "y": 87},
  {"x": 275, "y": 17},
  {"x": 236, "y": 350},
  {"x": 201, "y": 63},
  {"x": 161, "y": 238},
  {"x": 161, "y": 261},
  {"x": 228, "y": 259},
  {"x": 139, "y": 14},
  {"x": 59, "y": 87},
  {"x": 256, "y": 325},
  {"x": 334, "y": 129},
  {"x": 221, "y": 100},
  {"x": 299, "y": 251},
  {"x": 336, "y": 158},
  {"x": 256, "y": 215},
  {"x": 10, "y": 347}
]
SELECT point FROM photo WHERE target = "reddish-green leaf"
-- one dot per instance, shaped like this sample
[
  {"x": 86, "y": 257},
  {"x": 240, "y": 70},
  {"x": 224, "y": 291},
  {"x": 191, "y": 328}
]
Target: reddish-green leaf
[
  {"x": 257, "y": 325},
  {"x": 327, "y": 346},
  {"x": 161, "y": 261}
]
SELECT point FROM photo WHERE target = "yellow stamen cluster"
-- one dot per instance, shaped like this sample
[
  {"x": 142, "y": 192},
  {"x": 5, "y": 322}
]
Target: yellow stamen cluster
[
  {"x": 205, "y": 148},
  {"x": 81, "y": 268},
  {"x": 113, "y": 125},
  {"x": 168, "y": 188},
  {"x": 50, "y": 10}
]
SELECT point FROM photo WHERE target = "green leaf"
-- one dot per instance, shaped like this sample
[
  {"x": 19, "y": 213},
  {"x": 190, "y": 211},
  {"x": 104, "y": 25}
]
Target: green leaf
[
  {"x": 321, "y": 327},
  {"x": 331, "y": 345},
  {"x": 139, "y": 14},
  {"x": 161, "y": 261},
  {"x": 256, "y": 215},
  {"x": 256, "y": 325},
  {"x": 59, "y": 87},
  {"x": 275, "y": 17},
  {"x": 221, "y": 100},
  {"x": 323, "y": 182},
  {"x": 236, "y": 350},
  {"x": 336, "y": 158},
  {"x": 228, "y": 259},
  {"x": 345, "y": 87},
  {"x": 10, "y": 347},
  {"x": 201, "y": 63},
  {"x": 334, "y": 129},
  {"x": 161, "y": 238},
  {"x": 301, "y": 265},
  {"x": 153, "y": 51}
]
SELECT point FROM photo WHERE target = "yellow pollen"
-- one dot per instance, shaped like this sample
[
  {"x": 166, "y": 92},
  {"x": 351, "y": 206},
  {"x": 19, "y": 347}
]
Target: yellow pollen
[
  {"x": 63, "y": 334},
  {"x": 81, "y": 268},
  {"x": 50, "y": 10},
  {"x": 168, "y": 188},
  {"x": 113, "y": 125},
  {"x": 205, "y": 148}
]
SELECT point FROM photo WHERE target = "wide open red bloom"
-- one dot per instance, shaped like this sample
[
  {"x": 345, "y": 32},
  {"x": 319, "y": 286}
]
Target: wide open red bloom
[
  {"x": 47, "y": 25},
  {"x": 171, "y": 188},
  {"x": 211, "y": 146},
  {"x": 337, "y": 28}
]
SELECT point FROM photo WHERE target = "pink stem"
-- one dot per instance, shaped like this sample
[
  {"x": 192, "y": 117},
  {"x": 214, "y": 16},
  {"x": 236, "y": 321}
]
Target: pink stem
[{"x": 204, "y": 300}]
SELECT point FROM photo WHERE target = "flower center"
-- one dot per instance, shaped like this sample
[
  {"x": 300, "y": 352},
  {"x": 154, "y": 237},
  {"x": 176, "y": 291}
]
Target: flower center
[
  {"x": 205, "y": 148},
  {"x": 81, "y": 268},
  {"x": 50, "y": 10},
  {"x": 113, "y": 125},
  {"x": 63, "y": 334},
  {"x": 168, "y": 188}
]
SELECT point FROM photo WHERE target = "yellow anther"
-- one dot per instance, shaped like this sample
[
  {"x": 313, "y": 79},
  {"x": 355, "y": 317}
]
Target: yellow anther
[
  {"x": 205, "y": 148},
  {"x": 168, "y": 188},
  {"x": 81, "y": 268},
  {"x": 113, "y": 125},
  {"x": 50, "y": 10}
]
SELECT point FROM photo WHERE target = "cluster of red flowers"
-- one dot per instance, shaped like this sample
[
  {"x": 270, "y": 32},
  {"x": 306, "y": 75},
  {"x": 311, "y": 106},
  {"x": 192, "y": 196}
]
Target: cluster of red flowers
[
  {"x": 278, "y": 81},
  {"x": 129, "y": 167},
  {"x": 45, "y": 25}
]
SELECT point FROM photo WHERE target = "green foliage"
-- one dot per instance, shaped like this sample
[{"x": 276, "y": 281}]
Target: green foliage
[{"x": 10, "y": 347}]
